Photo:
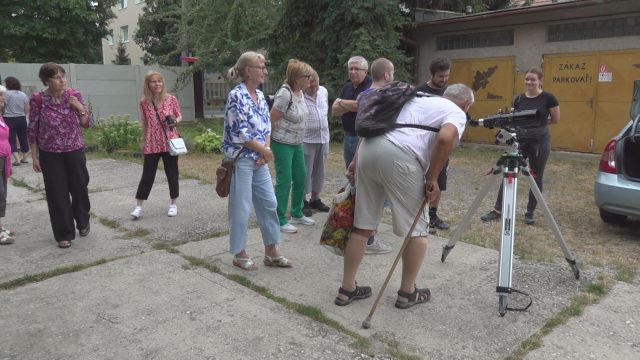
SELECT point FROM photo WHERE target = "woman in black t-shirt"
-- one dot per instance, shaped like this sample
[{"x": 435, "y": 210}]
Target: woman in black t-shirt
[{"x": 549, "y": 110}]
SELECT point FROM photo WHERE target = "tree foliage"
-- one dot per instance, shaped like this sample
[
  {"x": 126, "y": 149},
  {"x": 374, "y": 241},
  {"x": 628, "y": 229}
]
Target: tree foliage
[
  {"x": 64, "y": 31},
  {"x": 157, "y": 35},
  {"x": 326, "y": 34},
  {"x": 122, "y": 58},
  {"x": 459, "y": 5}
]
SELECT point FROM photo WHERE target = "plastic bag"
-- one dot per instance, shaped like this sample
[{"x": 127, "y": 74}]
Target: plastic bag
[{"x": 339, "y": 225}]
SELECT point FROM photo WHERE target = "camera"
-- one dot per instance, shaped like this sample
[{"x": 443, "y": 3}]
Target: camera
[
  {"x": 169, "y": 120},
  {"x": 526, "y": 118}
]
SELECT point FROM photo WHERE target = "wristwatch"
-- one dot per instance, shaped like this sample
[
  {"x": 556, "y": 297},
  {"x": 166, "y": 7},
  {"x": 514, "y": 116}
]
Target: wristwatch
[
  {"x": 82, "y": 113},
  {"x": 339, "y": 101}
]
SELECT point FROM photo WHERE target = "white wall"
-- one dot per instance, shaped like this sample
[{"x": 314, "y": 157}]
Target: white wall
[{"x": 108, "y": 89}]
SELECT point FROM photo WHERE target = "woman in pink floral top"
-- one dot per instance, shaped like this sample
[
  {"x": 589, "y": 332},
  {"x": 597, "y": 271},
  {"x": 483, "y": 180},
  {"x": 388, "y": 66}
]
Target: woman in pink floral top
[
  {"x": 56, "y": 115},
  {"x": 6, "y": 236},
  {"x": 155, "y": 107}
]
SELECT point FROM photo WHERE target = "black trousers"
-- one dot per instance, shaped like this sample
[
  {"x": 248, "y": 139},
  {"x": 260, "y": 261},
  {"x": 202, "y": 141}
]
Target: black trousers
[
  {"x": 66, "y": 173},
  {"x": 18, "y": 126},
  {"x": 149, "y": 174},
  {"x": 537, "y": 165}
]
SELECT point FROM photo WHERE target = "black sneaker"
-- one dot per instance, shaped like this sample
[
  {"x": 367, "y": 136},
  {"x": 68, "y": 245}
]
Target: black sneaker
[
  {"x": 492, "y": 216},
  {"x": 437, "y": 223},
  {"x": 319, "y": 205},
  {"x": 306, "y": 210},
  {"x": 528, "y": 218}
]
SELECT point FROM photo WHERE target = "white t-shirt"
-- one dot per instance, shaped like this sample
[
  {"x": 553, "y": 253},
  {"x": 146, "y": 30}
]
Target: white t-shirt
[{"x": 429, "y": 111}]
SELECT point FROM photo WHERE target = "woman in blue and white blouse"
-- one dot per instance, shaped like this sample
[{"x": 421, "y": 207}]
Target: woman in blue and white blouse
[{"x": 247, "y": 128}]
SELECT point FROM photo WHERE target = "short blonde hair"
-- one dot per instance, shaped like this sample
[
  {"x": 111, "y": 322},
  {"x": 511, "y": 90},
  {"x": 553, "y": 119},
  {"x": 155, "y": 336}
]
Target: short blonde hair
[
  {"x": 296, "y": 69},
  {"x": 249, "y": 58},
  {"x": 147, "y": 81}
]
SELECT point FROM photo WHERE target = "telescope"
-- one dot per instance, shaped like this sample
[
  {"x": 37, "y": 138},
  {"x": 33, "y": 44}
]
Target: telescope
[{"x": 513, "y": 120}]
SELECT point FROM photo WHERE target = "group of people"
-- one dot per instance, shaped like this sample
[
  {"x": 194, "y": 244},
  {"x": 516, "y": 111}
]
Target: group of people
[{"x": 400, "y": 168}]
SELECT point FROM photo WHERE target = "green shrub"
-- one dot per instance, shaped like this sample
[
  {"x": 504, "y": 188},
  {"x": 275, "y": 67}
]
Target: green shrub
[
  {"x": 208, "y": 142},
  {"x": 117, "y": 132}
]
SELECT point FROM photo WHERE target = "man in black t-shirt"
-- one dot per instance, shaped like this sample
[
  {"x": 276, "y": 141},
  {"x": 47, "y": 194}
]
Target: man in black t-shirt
[{"x": 439, "y": 69}]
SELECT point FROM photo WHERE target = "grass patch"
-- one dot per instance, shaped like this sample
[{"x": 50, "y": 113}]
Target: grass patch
[
  {"x": 593, "y": 293},
  {"x": 138, "y": 233},
  {"x": 393, "y": 348},
  {"x": 28, "y": 279},
  {"x": 625, "y": 274},
  {"x": 166, "y": 247},
  {"x": 109, "y": 223},
  {"x": 20, "y": 183}
]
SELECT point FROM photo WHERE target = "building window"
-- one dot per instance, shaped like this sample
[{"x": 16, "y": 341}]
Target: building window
[
  {"x": 122, "y": 4},
  {"x": 142, "y": 60},
  {"x": 124, "y": 34},
  {"x": 110, "y": 37},
  {"x": 475, "y": 40},
  {"x": 597, "y": 29}
]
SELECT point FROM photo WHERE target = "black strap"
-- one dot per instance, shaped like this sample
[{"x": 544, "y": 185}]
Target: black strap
[
  {"x": 415, "y": 126},
  {"x": 290, "y": 98},
  {"x": 160, "y": 120},
  {"x": 523, "y": 293}
]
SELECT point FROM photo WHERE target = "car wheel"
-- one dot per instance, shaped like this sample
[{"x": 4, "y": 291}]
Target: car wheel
[{"x": 612, "y": 218}]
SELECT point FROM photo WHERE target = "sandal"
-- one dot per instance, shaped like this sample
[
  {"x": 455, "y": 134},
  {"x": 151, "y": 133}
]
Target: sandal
[
  {"x": 64, "y": 246},
  {"x": 86, "y": 231},
  {"x": 5, "y": 239},
  {"x": 9, "y": 232},
  {"x": 279, "y": 261},
  {"x": 419, "y": 296},
  {"x": 24, "y": 161},
  {"x": 361, "y": 292},
  {"x": 16, "y": 164},
  {"x": 246, "y": 265}
]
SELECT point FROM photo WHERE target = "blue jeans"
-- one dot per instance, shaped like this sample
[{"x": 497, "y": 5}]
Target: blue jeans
[
  {"x": 349, "y": 147},
  {"x": 251, "y": 183}
]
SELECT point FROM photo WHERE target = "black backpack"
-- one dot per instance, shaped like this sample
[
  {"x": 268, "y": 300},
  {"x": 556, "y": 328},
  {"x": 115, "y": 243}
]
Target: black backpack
[
  {"x": 271, "y": 100},
  {"x": 379, "y": 109}
]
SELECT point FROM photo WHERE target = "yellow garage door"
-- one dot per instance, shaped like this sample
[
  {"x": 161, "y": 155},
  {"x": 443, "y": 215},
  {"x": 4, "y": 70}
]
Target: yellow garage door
[
  {"x": 594, "y": 91},
  {"x": 492, "y": 84}
]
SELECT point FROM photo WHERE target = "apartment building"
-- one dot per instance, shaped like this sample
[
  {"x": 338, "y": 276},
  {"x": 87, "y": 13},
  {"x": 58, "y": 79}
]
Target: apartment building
[{"x": 122, "y": 28}]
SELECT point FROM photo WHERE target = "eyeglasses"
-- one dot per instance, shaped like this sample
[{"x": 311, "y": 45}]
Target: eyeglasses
[
  {"x": 262, "y": 68},
  {"x": 59, "y": 77},
  {"x": 308, "y": 77},
  {"x": 356, "y": 69}
]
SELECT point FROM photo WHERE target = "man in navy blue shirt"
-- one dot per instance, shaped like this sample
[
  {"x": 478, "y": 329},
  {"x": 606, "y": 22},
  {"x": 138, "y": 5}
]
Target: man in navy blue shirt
[{"x": 346, "y": 105}]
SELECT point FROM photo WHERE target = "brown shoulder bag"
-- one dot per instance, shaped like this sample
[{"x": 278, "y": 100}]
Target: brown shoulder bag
[{"x": 224, "y": 173}]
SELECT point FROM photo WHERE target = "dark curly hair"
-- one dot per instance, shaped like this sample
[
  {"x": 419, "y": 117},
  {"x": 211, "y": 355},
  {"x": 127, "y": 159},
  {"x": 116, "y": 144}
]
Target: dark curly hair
[{"x": 12, "y": 83}]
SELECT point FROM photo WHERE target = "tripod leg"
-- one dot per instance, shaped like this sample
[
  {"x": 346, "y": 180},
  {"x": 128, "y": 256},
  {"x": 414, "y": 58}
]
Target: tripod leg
[
  {"x": 470, "y": 213},
  {"x": 551, "y": 222},
  {"x": 507, "y": 234}
]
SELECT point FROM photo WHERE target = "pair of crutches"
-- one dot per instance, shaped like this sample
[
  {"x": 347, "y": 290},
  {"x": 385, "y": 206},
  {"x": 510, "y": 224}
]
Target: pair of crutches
[{"x": 367, "y": 323}]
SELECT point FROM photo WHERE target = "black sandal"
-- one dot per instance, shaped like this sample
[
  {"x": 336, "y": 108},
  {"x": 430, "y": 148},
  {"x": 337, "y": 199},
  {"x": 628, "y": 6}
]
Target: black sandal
[
  {"x": 361, "y": 292},
  {"x": 64, "y": 246},
  {"x": 86, "y": 231},
  {"x": 420, "y": 296}
]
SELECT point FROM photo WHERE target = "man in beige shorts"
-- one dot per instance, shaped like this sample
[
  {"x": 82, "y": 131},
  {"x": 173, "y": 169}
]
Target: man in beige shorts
[{"x": 393, "y": 166}]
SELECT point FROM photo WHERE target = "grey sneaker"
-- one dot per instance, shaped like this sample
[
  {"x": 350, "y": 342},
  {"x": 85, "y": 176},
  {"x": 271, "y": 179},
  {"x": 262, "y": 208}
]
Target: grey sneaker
[
  {"x": 528, "y": 218},
  {"x": 377, "y": 247},
  {"x": 492, "y": 216}
]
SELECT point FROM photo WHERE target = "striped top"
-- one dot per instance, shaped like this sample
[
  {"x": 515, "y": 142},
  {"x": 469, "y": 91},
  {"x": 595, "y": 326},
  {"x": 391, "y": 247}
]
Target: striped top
[{"x": 317, "y": 127}]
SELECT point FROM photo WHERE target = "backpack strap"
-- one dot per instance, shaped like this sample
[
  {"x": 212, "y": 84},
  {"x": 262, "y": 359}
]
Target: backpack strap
[
  {"x": 290, "y": 98},
  {"x": 415, "y": 126},
  {"x": 38, "y": 101},
  {"x": 70, "y": 91}
]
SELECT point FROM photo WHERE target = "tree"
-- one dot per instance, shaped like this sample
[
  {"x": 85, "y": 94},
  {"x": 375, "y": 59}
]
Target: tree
[
  {"x": 158, "y": 32},
  {"x": 64, "y": 31},
  {"x": 460, "y": 5},
  {"x": 326, "y": 34},
  {"x": 122, "y": 58}
]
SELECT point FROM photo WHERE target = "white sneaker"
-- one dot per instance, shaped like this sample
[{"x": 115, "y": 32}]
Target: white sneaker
[
  {"x": 136, "y": 212},
  {"x": 377, "y": 247},
  {"x": 303, "y": 221},
  {"x": 288, "y": 228},
  {"x": 173, "y": 210}
]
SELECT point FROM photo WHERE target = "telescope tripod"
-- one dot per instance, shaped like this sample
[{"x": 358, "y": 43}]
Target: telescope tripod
[{"x": 510, "y": 165}]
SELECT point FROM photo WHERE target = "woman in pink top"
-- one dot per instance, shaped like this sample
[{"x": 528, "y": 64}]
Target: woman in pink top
[
  {"x": 56, "y": 115},
  {"x": 160, "y": 113},
  {"x": 5, "y": 160}
]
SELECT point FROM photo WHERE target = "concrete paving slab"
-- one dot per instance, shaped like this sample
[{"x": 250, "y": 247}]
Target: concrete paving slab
[
  {"x": 200, "y": 211},
  {"x": 36, "y": 251},
  {"x": 462, "y": 319},
  {"x": 154, "y": 306},
  {"x": 607, "y": 330}
]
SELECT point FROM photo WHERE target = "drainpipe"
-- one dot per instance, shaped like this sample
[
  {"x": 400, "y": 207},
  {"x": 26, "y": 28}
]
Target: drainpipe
[{"x": 414, "y": 66}]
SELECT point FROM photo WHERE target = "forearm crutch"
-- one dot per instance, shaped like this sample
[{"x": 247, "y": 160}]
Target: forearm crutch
[{"x": 367, "y": 323}]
